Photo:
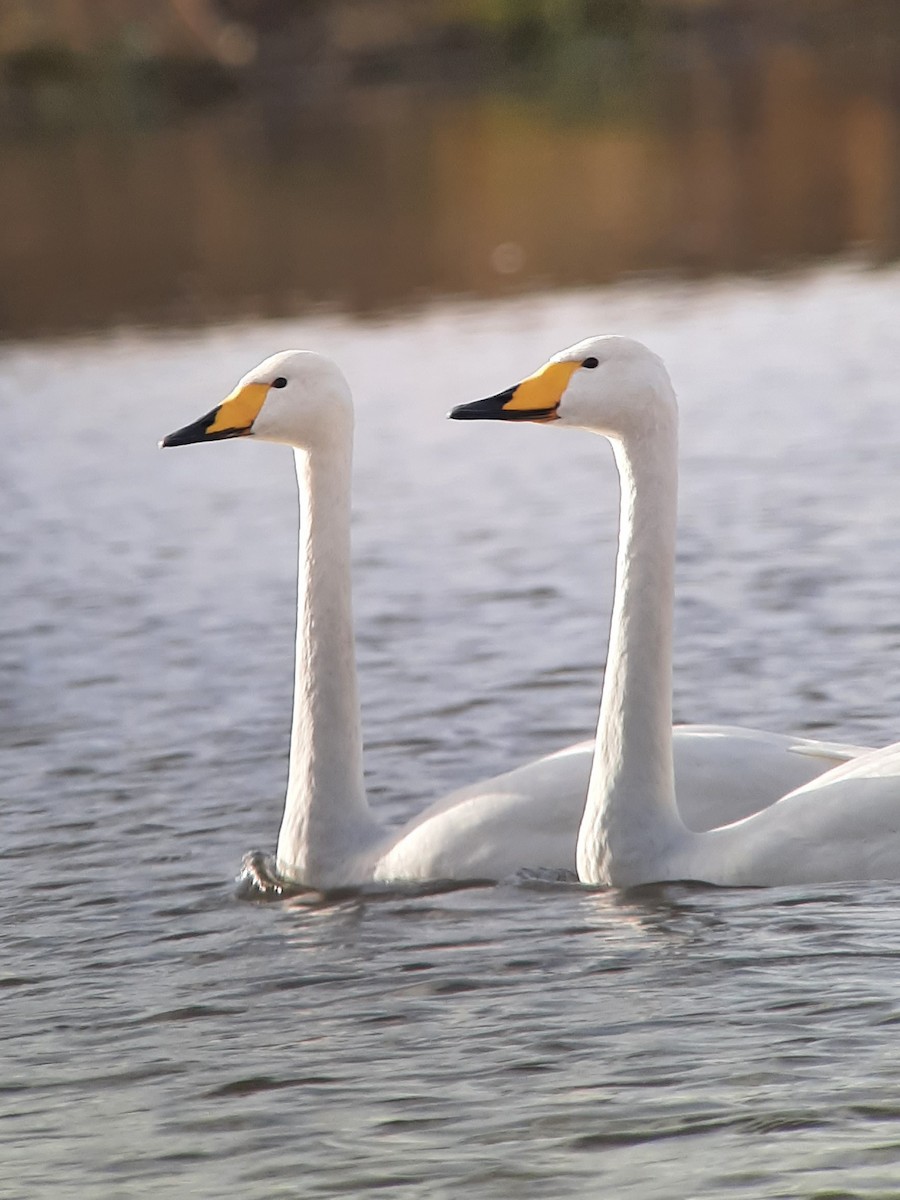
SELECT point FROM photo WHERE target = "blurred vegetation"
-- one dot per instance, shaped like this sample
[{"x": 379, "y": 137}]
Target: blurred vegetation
[
  {"x": 173, "y": 161},
  {"x": 121, "y": 62},
  {"x": 530, "y": 28},
  {"x": 68, "y": 63},
  {"x": 77, "y": 63},
  {"x": 81, "y": 62}
]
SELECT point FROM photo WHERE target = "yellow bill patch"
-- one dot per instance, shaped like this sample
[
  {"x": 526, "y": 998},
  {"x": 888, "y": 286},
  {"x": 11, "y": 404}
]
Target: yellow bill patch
[
  {"x": 240, "y": 409},
  {"x": 543, "y": 390}
]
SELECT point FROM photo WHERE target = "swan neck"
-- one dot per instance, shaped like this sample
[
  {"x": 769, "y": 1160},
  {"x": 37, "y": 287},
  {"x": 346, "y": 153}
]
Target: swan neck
[
  {"x": 326, "y": 817},
  {"x": 631, "y": 816}
]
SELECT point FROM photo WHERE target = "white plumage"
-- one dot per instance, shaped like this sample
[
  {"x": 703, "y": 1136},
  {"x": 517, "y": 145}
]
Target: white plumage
[
  {"x": 844, "y": 825},
  {"x": 528, "y": 818}
]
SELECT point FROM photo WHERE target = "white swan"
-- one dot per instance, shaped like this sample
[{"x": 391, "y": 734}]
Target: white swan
[
  {"x": 527, "y": 818},
  {"x": 844, "y": 825}
]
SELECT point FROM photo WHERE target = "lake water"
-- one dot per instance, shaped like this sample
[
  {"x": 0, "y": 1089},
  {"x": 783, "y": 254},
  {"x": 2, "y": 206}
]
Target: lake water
[{"x": 162, "y": 1037}]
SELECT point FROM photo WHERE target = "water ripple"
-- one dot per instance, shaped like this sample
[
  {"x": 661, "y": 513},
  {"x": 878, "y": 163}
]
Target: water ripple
[{"x": 535, "y": 1039}]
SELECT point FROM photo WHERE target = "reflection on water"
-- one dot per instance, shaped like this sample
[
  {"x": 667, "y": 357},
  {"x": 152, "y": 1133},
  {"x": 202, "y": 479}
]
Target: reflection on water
[{"x": 716, "y": 149}]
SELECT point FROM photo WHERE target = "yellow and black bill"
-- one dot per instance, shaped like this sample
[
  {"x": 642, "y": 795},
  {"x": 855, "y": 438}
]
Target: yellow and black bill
[
  {"x": 536, "y": 398},
  {"x": 232, "y": 418},
  {"x": 495, "y": 408}
]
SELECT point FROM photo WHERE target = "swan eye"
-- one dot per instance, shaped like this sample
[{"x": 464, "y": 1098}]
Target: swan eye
[
  {"x": 590, "y": 363},
  {"x": 279, "y": 382}
]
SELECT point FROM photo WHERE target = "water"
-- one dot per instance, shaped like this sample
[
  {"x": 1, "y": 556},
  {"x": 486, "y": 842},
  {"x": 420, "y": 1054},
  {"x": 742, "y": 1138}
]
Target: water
[{"x": 164, "y": 1038}]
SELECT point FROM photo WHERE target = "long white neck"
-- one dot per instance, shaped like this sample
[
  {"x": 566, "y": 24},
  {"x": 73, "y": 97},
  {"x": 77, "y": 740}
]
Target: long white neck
[
  {"x": 326, "y": 817},
  {"x": 631, "y": 817}
]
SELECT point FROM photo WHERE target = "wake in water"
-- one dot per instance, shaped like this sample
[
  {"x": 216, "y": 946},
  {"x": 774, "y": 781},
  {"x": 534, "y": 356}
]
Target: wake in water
[
  {"x": 260, "y": 881},
  {"x": 257, "y": 879}
]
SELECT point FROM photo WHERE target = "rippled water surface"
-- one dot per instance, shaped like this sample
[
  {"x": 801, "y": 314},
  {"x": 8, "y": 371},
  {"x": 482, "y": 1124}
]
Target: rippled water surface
[{"x": 164, "y": 1038}]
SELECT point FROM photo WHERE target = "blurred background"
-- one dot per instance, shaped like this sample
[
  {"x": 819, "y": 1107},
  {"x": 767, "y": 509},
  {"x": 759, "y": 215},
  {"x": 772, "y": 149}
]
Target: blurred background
[{"x": 183, "y": 161}]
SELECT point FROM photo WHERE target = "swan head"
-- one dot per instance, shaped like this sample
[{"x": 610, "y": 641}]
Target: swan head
[
  {"x": 296, "y": 397},
  {"x": 612, "y": 385}
]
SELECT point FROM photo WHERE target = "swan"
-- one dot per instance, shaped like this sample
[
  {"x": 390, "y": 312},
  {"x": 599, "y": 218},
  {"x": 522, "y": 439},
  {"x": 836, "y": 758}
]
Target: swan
[
  {"x": 842, "y": 826},
  {"x": 526, "y": 818}
]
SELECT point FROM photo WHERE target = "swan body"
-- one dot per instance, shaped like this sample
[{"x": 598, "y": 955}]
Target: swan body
[
  {"x": 529, "y": 817},
  {"x": 842, "y": 825},
  {"x": 526, "y": 818}
]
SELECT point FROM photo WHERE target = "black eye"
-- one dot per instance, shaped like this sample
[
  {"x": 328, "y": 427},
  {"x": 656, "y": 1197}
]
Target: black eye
[
  {"x": 590, "y": 363},
  {"x": 279, "y": 382}
]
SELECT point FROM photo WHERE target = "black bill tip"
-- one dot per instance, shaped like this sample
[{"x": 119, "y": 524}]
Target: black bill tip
[
  {"x": 198, "y": 431},
  {"x": 494, "y": 409},
  {"x": 489, "y": 409}
]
